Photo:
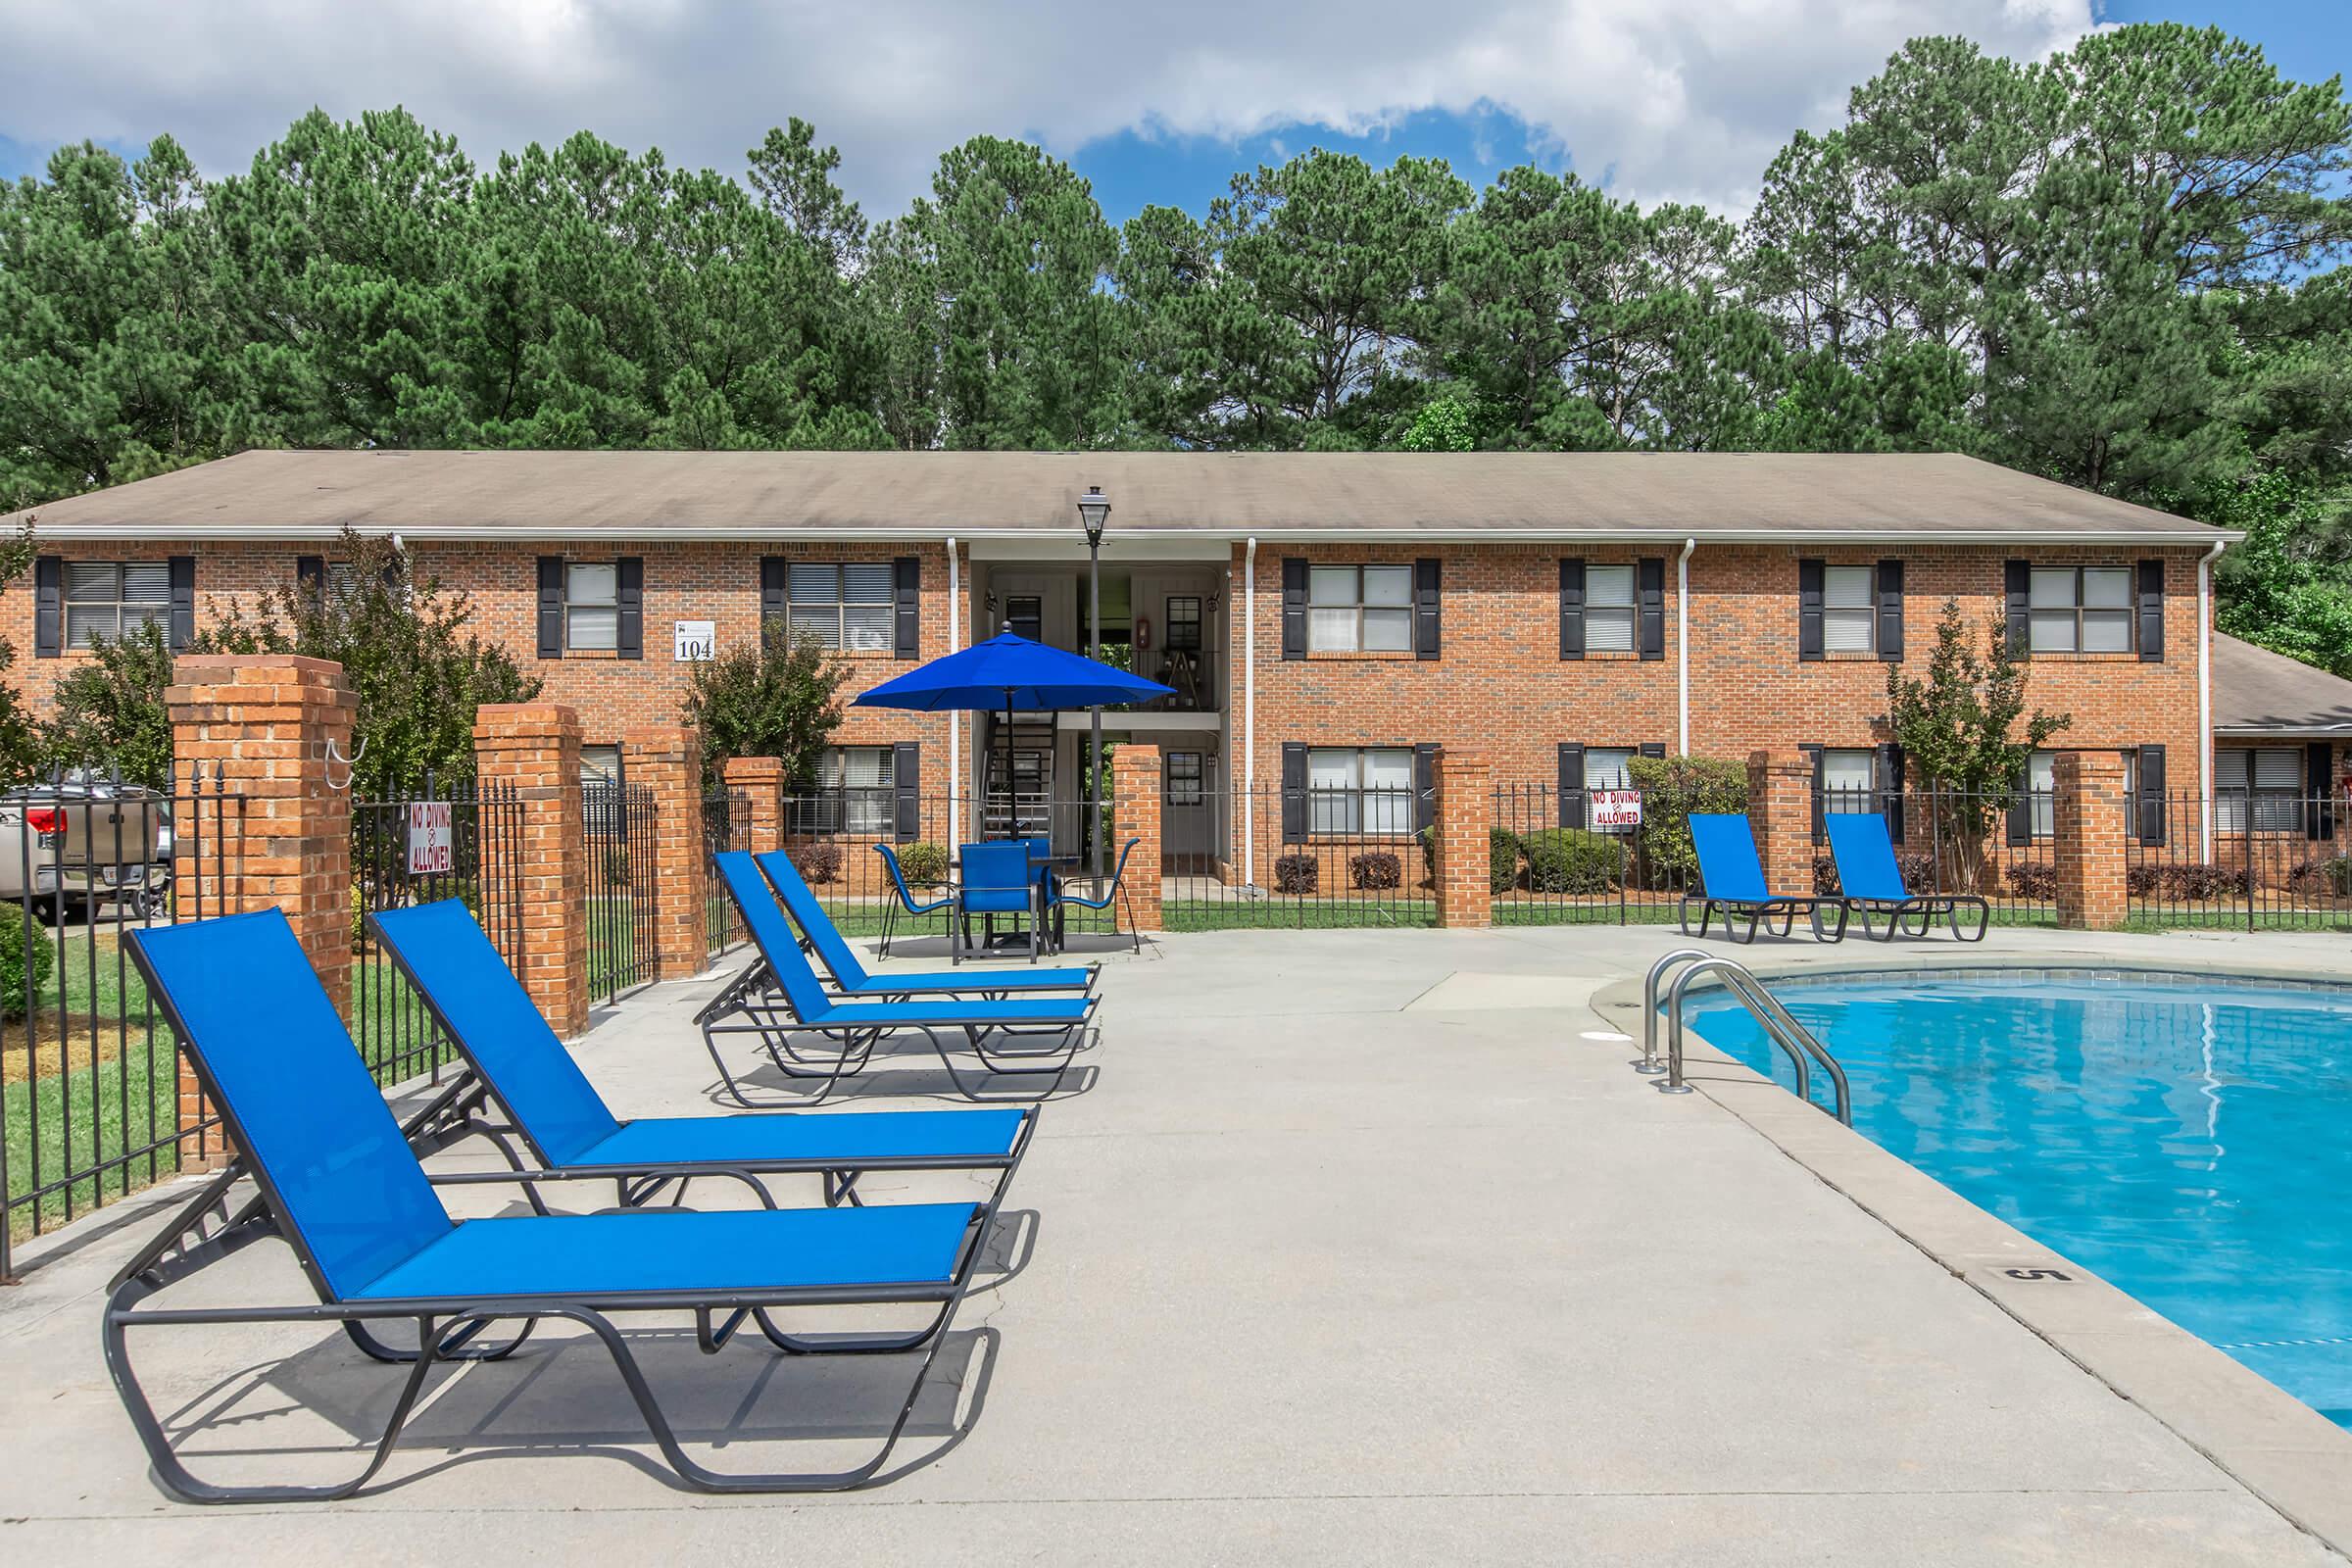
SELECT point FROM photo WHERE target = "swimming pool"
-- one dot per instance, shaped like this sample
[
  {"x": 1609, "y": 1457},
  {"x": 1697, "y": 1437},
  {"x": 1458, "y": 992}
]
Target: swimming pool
[{"x": 2188, "y": 1138}]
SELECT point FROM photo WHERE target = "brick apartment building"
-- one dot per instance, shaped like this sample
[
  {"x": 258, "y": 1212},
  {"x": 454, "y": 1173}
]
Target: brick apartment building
[{"x": 1327, "y": 619}]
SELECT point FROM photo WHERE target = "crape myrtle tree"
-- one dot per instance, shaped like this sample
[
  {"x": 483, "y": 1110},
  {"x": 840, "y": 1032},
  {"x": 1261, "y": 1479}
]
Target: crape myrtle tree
[{"x": 780, "y": 698}]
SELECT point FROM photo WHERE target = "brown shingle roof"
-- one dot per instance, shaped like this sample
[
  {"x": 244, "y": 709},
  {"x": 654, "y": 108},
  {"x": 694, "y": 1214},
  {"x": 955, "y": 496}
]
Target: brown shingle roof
[
  {"x": 1272, "y": 494},
  {"x": 2256, "y": 692}
]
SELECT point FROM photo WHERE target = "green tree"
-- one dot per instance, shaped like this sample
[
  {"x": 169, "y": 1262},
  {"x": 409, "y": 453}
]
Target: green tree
[
  {"x": 2288, "y": 586},
  {"x": 20, "y": 733},
  {"x": 110, "y": 713},
  {"x": 780, "y": 700}
]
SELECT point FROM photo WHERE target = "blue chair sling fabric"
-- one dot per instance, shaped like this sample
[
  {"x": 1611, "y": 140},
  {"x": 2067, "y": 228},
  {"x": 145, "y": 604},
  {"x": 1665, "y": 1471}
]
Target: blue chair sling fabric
[
  {"x": 492, "y": 1020},
  {"x": 1871, "y": 880},
  {"x": 852, "y": 977},
  {"x": 996, "y": 878},
  {"x": 1731, "y": 879}
]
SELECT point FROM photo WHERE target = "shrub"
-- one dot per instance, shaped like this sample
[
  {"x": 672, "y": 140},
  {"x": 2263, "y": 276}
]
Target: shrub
[
  {"x": 2032, "y": 879},
  {"x": 924, "y": 863},
  {"x": 2139, "y": 881},
  {"x": 25, "y": 964},
  {"x": 1502, "y": 859},
  {"x": 1571, "y": 860},
  {"x": 2197, "y": 883},
  {"x": 1824, "y": 876},
  {"x": 1375, "y": 871},
  {"x": 818, "y": 863},
  {"x": 1297, "y": 873},
  {"x": 2325, "y": 874},
  {"x": 1672, "y": 788}
]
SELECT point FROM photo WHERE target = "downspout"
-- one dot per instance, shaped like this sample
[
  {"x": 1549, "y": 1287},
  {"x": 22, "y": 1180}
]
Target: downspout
[
  {"x": 1249, "y": 790},
  {"x": 954, "y": 720},
  {"x": 1681, "y": 641},
  {"x": 2205, "y": 698}
]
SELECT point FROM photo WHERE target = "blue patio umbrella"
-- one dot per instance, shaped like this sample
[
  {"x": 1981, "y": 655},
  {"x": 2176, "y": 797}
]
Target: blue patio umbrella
[{"x": 1010, "y": 672}]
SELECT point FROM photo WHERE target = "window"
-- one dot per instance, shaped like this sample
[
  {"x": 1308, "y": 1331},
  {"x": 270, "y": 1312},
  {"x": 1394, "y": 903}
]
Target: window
[
  {"x": 1352, "y": 791},
  {"x": 1184, "y": 624},
  {"x": 106, "y": 599},
  {"x": 1850, "y": 614},
  {"x": 852, "y": 792},
  {"x": 592, "y": 607},
  {"x": 1359, "y": 610},
  {"x": 2259, "y": 789},
  {"x": 1610, "y": 610},
  {"x": 2079, "y": 610},
  {"x": 1848, "y": 777},
  {"x": 1185, "y": 784},
  {"x": 1025, "y": 617},
  {"x": 849, "y": 606},
  {"x": 1604, "y": 769}
]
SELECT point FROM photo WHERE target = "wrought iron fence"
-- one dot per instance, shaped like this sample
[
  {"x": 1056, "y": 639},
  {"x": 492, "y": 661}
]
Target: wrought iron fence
[
  {"x": 1552, "y": 860},
  {"x": 724, "y": 827},
  {"x": 461, "y": 842},
  {"x": 1276, "y": 857},
  {"x": 619, "y": 821},
  {"x": 2243, "y": 860},
  {"x": 1993, "y": 844},
  {"x": 91, "y": 1106}
]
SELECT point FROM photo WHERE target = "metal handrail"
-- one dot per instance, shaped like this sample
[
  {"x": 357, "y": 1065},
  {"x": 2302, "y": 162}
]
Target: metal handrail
[{"x": 1795, "y": 1041}]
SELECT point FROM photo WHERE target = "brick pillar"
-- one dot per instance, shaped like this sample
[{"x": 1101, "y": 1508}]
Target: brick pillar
[
  {"x": 535, "y": 747},
  {"x": 756, "y": 801},
  {"x": 1135, "y": 815},
  {"x": 1465, "y": 815},
  {"x": 667, "y": 758},
  {"x": 268, "y": 815},
  {"x": 1780, "y": 811},
  {"x": 2089, "y": 818}
]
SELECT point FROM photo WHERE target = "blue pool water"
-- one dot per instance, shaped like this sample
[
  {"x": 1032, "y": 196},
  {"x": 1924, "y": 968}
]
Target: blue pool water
[{"x": 2190, "y": 1143}]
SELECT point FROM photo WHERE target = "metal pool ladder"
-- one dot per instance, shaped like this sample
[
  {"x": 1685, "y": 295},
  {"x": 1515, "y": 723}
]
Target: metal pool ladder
[{"x": 1794, "y": 1037}]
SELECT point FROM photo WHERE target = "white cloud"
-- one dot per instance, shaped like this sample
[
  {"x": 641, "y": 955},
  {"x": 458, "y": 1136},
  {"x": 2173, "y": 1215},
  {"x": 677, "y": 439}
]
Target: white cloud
[{"x": 1684, "y": 98}]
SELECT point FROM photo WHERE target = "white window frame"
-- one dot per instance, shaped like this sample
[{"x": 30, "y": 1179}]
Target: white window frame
[
  {"x": 843, "y": 622},
  {"x": 2244, "y": 803},
  {"x": 591, "y": 623},
  {"x": 1849, "y": 610},
  {"x": 1612, "y": 622},
  {"x": 1343, "y": 801},
  {"x": 2061, "y": 620},
  {"x": 854, "y": 792},
  {"x": 1848, "y": 763},
  {"x": 1341, "y": 618},
  {"x": 1189, "y": 785},
  {"x": 1607, "y": 767},
  {"x": 114, "y": 604}
]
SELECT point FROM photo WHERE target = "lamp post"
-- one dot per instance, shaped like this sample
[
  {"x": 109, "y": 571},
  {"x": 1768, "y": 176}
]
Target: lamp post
[{"x": 1093, "y": 509}]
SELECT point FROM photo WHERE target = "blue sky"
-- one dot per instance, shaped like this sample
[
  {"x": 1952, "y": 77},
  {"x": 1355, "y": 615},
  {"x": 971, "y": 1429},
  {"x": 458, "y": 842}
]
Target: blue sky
[{"x": 1658, "y": 98}]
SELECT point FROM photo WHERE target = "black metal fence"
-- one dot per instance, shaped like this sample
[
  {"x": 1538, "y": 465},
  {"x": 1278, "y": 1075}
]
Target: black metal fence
[
  {"x": 2245, "y": 860},
  {"x": 724, "y": 827},
  {"x": 620, "y": 822},
  {"x": 1271, "y": 856},
  {"x": 90, "y": 1102},
  {"x": 1995, "y": 845},
  {"x": 462, "y": 842}
]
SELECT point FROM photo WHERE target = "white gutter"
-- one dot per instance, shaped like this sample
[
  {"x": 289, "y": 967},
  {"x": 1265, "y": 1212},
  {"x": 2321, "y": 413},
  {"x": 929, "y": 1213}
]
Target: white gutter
[
  {"x": 1681, "y": 641},
  {"x": 2205, "y": 697},
  {"x": 954, "y": 720},
  {"x": 1248, "y": 789}
]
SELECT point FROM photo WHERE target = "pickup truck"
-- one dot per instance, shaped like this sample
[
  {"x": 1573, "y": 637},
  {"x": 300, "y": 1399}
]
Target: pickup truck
[{"x": 73, "y": 844}]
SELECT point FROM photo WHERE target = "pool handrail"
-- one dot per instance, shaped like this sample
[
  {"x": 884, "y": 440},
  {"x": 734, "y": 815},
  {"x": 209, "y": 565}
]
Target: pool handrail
[{"x": 1780, "y": 1026}]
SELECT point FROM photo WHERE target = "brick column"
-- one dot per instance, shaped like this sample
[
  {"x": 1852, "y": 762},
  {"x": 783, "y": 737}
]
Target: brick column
[
  {"x": 667, "y": 758},
  {"x": 2089, "y": 818},
  {"x": 1135, "y": 815},
  {"x": 1780, "y": 811},
  {"x": 267, "y": 815},
  {"x": 756, "y": 801},
  {"x": 535, "y": 746},
  {"x": 1465, "y": 817}
]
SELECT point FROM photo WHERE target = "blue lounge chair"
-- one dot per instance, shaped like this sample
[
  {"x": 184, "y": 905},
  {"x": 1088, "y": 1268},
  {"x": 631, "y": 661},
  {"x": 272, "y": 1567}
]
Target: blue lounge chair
[
  {"x": 852, "y": 978},
  {"x": 906, "y": 902},
  {"x": 514, "y": 1061},
  {"x": 1871, "y": 881},
  {"x": 337, "y": 1184},
  {"x": 1001, "y": 877},
  {"x": 1062, "y": 895},
  {"x": 1731, "y": 879},
  {"x": 777, "y": 996}
]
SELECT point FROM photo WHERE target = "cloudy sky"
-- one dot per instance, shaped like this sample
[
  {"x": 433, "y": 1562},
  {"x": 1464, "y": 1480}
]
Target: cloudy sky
[{"x": 1157, "y": 102}]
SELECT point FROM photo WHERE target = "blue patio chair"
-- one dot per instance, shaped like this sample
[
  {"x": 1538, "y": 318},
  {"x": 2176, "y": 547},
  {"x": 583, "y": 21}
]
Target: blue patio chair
[
  {"x": 515, "y": 1063},
  {"x": 777, "y": 996},
  {"x": 1000, "y": 877},
  {"x": 905, "y": 899},
  {"x": 336, "y": 1183},
  {"x": 1871, "y": 881},
  {"x": 1117, "y": 889},
  {"x": 1731, "y": 879},
  {"x": 852, "y": 978}
]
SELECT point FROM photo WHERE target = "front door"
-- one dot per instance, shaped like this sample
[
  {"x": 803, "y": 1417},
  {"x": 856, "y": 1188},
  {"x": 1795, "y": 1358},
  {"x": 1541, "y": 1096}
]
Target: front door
[{"x": 1185, "y": 824}]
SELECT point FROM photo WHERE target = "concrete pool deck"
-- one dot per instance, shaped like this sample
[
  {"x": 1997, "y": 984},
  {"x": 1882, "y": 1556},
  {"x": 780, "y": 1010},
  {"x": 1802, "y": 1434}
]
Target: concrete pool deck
[{"x": 1359, "y": 1245}]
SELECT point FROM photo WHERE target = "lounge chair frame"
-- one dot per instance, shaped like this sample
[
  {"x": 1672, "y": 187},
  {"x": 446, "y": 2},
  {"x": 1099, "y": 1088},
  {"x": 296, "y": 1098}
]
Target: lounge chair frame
[{"x": 1899, "y": 914}]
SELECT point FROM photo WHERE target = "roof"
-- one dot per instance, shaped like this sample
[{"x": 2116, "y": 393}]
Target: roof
[
  {"x": 2256, "y": 692},
  {"x": 1709, "y": 496}
]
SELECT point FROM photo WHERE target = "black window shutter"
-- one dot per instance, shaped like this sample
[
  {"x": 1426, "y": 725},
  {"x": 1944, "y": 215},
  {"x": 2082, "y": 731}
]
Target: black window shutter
[
  {"x": 2149, "y": 808},
  {"x": 907, "y": 573},
  {"x": 1425, "y": 785},
  {"x": 1888, "y": 766},
  {"x": 629, "y": 639},
  {"x": 2151, "y": 612},
  {"x": 48, "y": 607},
  {"x": 1891, "y": 611},
  {"x": 1819, "y": 804},
  {"x": 2021, "y": 814},
  {"x": 1572, "y": 608},
  {"x": 183, "y": 601},
  {"x": 1809, "y": 582},
  {"x": 2017, "y": 577},
  {"x": 1294, "y": 784},
  {"x": 1652, "y": 580},
  {"x": 774, "y": 602},
  {"x": 310, "y": 577},
  {"x": 2318, "y": 788},
  {"x": 1425, "y": 609},
  {"x": 906, "y": 792},
  {"x": 551, "y": 607},
  {"x": 1294, "y": 610},
  {"x": 1571, "y": 784}
]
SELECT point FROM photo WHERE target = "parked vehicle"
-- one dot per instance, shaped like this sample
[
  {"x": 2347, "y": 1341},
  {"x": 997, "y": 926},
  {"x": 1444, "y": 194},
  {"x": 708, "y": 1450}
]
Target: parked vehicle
[{"x": 73, "y": 842}]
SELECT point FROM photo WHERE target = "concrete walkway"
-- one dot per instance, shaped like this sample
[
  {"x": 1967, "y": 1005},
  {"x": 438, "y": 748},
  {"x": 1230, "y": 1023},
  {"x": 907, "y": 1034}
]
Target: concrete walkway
[{"x": 1359, "y": 1247}]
